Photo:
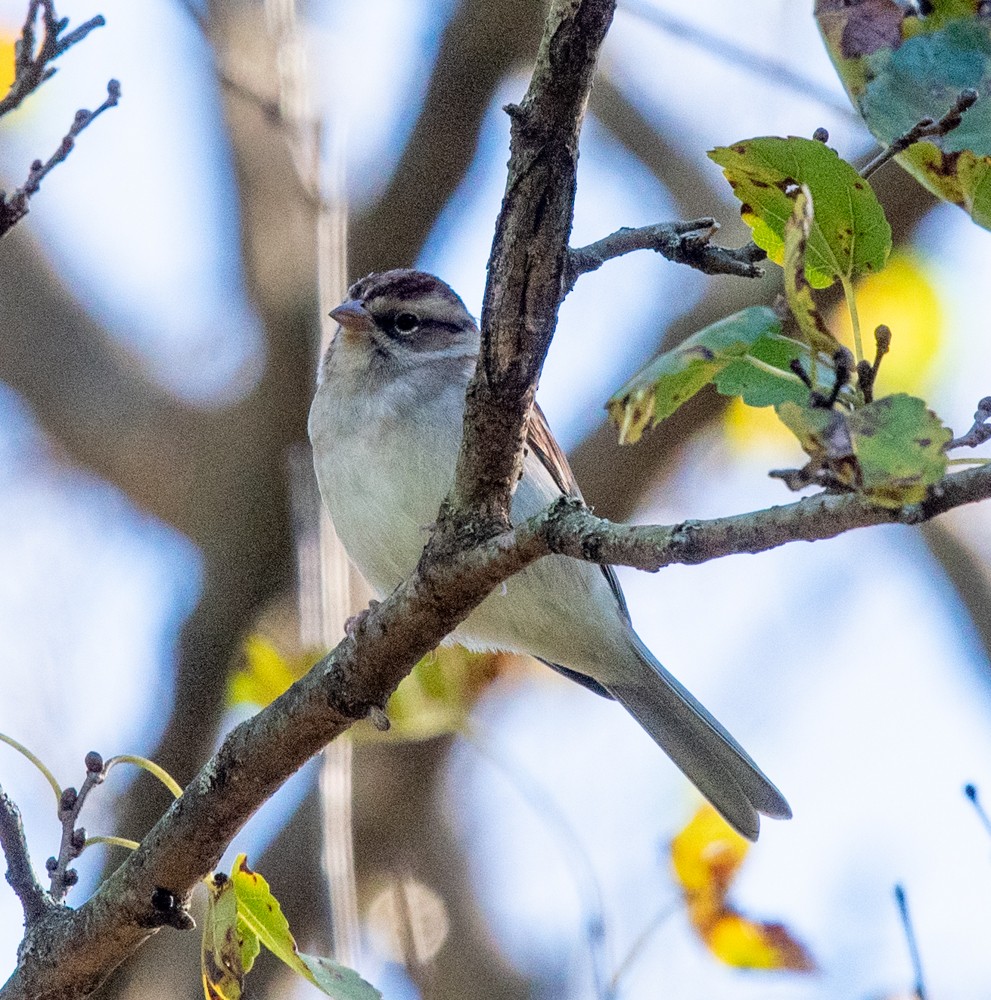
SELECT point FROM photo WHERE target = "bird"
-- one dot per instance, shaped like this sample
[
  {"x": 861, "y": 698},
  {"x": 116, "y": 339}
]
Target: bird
[{"x": 385, "y": 427}]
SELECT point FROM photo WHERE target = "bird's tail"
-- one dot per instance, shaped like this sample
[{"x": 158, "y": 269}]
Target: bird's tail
[{"x": 715, "y": 763}]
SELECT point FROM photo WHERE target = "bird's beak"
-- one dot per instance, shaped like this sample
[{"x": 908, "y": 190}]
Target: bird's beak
[{"x": 353, "y": 317}]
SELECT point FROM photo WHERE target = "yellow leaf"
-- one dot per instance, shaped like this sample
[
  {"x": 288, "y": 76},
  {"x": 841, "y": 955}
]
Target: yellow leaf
[
  {"x": 266, "y": 673},
  {"x": 753, "y": 425},
  {"x": 7, "y": 40},
  {"x": 259, "y": 911},
  {"x": 748, "y": 944},
  {"x": 707, "y": 853},
  {"x": 903, "y": 298}
]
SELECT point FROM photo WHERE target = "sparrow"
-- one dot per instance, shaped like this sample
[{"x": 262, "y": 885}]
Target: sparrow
[{"x": 385, "y": 426}]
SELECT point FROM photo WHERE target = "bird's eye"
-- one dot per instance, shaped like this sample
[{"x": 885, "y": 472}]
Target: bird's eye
[{"x": 406, "y": 322}]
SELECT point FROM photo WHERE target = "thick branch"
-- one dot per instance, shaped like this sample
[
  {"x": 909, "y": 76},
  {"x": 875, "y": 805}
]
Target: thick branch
[
  {"x": 527, "y": 263},
  {"x": 20, "y": 874},
  {"x": 67, "y": 953},
  {"x": 681, "y": 242}
]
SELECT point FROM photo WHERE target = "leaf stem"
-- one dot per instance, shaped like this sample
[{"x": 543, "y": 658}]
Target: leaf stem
[
  {"x": 151, "y": 767},
  {"x": 131, "y": 845},
  {"x": 23, "y": 750},
  {"x": 851, "y": 301},
  {"x": 772, "y": 370}
]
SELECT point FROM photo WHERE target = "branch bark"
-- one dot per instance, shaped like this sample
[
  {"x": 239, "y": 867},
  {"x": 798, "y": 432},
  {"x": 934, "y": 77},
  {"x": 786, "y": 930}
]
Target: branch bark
[
  {"x": 529, "y": 254},
  {"x": 20, "y": 874}
]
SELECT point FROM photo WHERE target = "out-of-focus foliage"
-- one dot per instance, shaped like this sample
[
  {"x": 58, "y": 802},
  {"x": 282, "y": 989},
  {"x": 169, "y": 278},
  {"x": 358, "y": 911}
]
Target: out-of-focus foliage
[
  {"x": 706, "y": 856},
  {"x": 435, "y": 699},
  {"x": 900, "y": 66},
  {"x": 904, "y": 298},
  {"x": 409, "y": 921},
  {"x": 6, "y": 61}
]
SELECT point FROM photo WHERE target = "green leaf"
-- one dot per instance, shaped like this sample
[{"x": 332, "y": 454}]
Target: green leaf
[
  {"x": 748, "y": 376},
  {"x": 221, "y": 964},
  {"x": 825, "y": 437},
  {"x": 849, "y": 235},
  {"x": 900, "y": 446},
  {"x": 890, "y": 451},
  {"x": 674, "y": 377},
  {"x": 914, "y": 68},
  {"x": 260, "y": 911}
]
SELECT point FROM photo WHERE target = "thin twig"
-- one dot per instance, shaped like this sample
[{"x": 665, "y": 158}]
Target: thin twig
[
  {"x": 913, "y": 948},
  {"x": 565, "y": 837},
  {"x": 20, "y": 874},
  {"x": 14, "y": 208},
  {"x": 970, "y": 791},
  {"x": 32, "y": 62},
  {"x": 924, "y": 129},
  {"x": 681, "y": 242},
  {"x": 73, "y": 839},
  {"x": 979, "y": 432}
]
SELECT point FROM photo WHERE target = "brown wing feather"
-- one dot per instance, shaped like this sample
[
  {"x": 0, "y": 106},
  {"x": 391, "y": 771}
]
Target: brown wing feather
[{"x": 541, "y": 442}]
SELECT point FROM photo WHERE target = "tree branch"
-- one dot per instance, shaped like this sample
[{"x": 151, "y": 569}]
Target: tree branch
[
  {"x": 528, "y": 258},
  {"x": 575, "y": 531},
  {"x": 14, "y": 208},
  {"x": 680, "y": 242},
  {"x": 20, "y": 874},
  {"x": 32, "y": 63}
]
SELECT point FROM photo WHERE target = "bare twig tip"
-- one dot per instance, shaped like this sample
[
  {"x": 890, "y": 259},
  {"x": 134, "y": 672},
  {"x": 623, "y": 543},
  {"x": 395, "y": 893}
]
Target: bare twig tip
[{"x": 379, "y": 719}]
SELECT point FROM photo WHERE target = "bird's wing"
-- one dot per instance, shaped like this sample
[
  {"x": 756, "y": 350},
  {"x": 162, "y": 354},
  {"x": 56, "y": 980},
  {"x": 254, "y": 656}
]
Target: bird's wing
[{"x": 545, "y": 448}]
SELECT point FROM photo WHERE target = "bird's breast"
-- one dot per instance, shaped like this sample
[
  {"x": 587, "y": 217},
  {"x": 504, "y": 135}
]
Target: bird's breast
[{"x": 383, "y": 467}]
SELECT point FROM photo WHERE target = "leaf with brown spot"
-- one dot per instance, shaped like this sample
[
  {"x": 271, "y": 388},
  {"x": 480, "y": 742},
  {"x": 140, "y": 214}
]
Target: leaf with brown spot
[
  {"x": 898, "y": 79},
  {"x": 900, "y": 446},
  {"x": 671, "y": 379},
  {"x": 849, "y": 235},
  {"x": 221, "y": 964},
  {"x": 261, "y": 913}
]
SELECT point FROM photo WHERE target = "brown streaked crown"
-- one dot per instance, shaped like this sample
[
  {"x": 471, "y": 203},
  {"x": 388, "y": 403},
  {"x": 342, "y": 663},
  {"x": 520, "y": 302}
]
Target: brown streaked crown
[{"x": 415, "y": 308}]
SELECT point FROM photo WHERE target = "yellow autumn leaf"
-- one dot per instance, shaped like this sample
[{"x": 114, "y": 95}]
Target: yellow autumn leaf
[
  {"x": 706, "y": 855},
  {"x": 8, "y": 37},
  {"x": 749, "y": 944},
  {"x": 265, "y": 673}
]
